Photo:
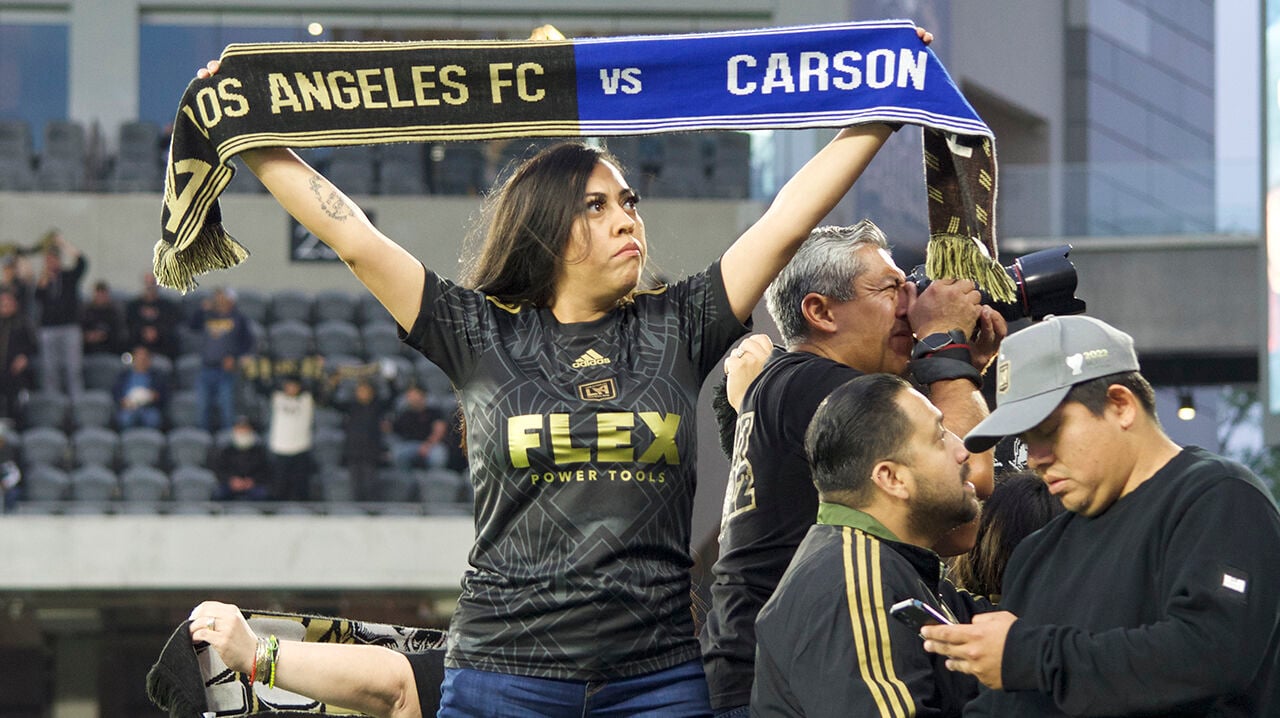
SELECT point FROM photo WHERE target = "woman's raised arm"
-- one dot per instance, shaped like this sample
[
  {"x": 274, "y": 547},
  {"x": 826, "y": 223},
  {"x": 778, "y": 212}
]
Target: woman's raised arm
[
  {"x": 751, "y": 263},
  {"x": 393, "y": 275}
]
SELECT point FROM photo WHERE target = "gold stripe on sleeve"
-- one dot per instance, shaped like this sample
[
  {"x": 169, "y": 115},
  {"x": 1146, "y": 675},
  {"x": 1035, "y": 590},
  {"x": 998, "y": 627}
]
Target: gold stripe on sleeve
[{"x": 864, "y": 594}]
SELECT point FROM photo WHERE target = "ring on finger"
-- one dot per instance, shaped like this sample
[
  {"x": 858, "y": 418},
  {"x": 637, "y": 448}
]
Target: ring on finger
[{"x": 211, "y": 623}]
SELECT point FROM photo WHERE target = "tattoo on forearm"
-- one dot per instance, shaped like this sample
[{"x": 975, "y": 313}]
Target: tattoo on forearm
[{"x": 331, "y": 202}]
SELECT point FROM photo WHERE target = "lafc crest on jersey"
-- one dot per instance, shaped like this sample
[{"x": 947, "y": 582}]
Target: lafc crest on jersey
[{"x": 602, "y": 390}]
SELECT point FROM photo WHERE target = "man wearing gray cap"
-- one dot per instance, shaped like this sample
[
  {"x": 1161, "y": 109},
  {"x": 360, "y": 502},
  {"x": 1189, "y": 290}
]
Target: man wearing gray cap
[{"x": 1157, "y": 592}]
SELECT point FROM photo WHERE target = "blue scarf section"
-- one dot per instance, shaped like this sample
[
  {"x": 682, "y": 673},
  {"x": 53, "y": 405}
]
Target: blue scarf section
[{"x": 331, "y": 94}]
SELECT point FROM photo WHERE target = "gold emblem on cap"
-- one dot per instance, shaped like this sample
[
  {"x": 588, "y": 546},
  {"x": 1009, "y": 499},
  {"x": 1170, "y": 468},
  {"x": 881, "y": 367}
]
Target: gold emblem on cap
[{"x": 1003, "y": 376}]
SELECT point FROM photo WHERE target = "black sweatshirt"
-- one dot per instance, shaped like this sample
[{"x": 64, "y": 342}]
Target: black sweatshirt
[{"x": 1166, "y": 604}]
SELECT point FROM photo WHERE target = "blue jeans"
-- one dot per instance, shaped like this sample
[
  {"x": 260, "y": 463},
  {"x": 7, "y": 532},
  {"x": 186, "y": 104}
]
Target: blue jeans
[
  {"x": 216, "y": 388},
  {"x": 404, "y": 454},
  {"x": 739, "y": 712},
  {"x": 678, "y": 691},
  {"x": 148, "y": 416}
]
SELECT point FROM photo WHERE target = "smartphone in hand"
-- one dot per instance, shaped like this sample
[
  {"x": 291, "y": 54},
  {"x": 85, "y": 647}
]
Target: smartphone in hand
[{"x": 916, "y": 613}]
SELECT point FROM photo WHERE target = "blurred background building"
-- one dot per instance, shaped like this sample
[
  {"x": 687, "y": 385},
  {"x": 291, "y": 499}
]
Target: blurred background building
[{"x": 1128, "y": 129}]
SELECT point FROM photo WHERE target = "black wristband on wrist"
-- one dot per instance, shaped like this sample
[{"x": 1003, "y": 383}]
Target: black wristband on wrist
[
  {"x": 939, "y": 368},
  {"x": 938, "y": 341}
]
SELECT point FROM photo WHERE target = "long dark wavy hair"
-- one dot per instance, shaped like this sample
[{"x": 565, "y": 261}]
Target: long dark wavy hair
[
  {"x": 528, "y": 222},
  {"x": 1019, "y": 505}
]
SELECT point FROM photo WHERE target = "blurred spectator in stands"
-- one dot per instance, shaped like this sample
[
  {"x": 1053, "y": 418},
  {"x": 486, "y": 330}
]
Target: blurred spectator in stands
[
  {"x": 419, "y": 433},
  {"x": 10, "y": 468},
  {"x": 17, "y": 348},
  {"x": 242, "y": 465},
  {"x": 58, "y": 297},
  {"x": 102, "y": 320},
  {"x": 140, "y": 392},
  {"x": 289, "y": 439},
  {"x": 227, "y": 340},
  {"x": 15, "y": 276},
  {"x": 364, "y": 447},
  {"x": 152, "y": 319}
]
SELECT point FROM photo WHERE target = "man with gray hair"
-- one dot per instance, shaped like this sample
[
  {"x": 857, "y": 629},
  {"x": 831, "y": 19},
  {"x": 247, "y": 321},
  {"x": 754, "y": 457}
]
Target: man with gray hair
[
  {"x": 1155, "y": 593},
  {"x": 844, "y": 309}
]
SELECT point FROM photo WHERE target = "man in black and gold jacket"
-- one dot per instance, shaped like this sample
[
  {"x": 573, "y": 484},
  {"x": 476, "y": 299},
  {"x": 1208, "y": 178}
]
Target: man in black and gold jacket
[{"x": 826, "y": 644}]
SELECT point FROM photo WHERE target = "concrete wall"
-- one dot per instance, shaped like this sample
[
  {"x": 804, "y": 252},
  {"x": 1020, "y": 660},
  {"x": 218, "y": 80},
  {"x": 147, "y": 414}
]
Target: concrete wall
[
  {"x": 167, "y": 553},
  {"x": 1190, "y": 294}
]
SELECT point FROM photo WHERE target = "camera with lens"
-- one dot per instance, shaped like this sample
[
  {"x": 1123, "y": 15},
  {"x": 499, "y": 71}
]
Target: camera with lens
[{"x": 1045, "y": 281}]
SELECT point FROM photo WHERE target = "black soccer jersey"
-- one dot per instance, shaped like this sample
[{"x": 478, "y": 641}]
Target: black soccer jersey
[
  {"x": 581, "y": 443},
  {"x": 770, "y": 503}
]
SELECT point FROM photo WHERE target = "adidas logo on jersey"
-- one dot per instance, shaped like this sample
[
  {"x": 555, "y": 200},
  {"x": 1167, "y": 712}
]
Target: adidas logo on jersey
[{"x": 590, "y": 358}]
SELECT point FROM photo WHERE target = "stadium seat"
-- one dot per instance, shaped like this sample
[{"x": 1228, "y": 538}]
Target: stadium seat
[
  {"x": 354, "y": 169},
  {"x": 143, "y": 484},
  {"x": 336, "y": 336},
  {"x": 380, "y": 339},
  {"x": 141, "y": 446},
  {"x": 183, "y": 410},
  {"x": 46, "y": 483},
  {"x": 435, "y": 381},
  {"x": 729, "y": 173},
  {"x": 195, "y": 508},
  {"x": 327, "y": 446},
  {"x": 342, "y": 507},
  {"x": 138, "y": 165},
  {"x": 192, "y": 483},
  {"x": 439, "y": 486},
  {"x": 369, "y": 309},
  {"x": 164, "y": 366},
  {"x": 402, "y": 169},
  {"x": 335, "y": 304},
  {"x": 400, "y": 369},
  {"x": 289, "y": 339},
  {"x": 95, "y": 407},
  {"x": 95, "y": 445},
  {"x": 140, "y": 507},
  {"x": 94, "y": 483},
  {"x": 244, "y": 181},
  {"x": 684, "y": 172},
  {"x": 187, "y": 371},
  {"x": 458, "y": 168},
  {"x": 397, "y": 485},
  {"x": 328, "y": 417},
  {"x": 17, "y": 157},
  {"x": 254, "y": 304},
  {"x": 189, "y": 446},
  {"x": 395, "y": 508},
  {"x": 335, "y": 483},
  {"x": 291, "y": 305},
  {"x": 46, "y": 445},
  {"x": 101, "y": 371},
  {"x": 47, "y": 408},
  {"x": 62, "y": 166}
]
